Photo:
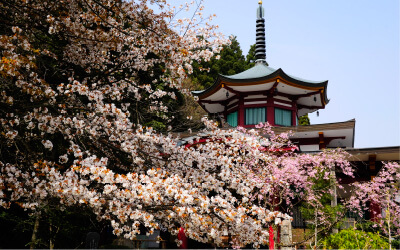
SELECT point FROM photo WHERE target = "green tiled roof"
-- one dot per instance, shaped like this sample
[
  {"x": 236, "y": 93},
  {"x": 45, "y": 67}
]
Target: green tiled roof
[
  {"x": 259, "y": 73},
  {"x": 261, "y": 70}
]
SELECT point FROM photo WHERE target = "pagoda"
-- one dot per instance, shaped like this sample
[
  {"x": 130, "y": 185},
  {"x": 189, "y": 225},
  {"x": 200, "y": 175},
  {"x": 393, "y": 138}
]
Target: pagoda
[{"x": 265, "y": 94}]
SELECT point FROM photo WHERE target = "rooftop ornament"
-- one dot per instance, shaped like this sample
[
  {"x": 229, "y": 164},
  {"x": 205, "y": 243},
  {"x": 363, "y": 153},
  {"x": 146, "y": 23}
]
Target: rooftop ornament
[{"x": 260, "y": 35}]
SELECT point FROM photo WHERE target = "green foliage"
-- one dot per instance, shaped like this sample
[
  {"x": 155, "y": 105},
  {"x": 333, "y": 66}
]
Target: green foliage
[
  {"x": 304, "y": 120},
  {"x": 251, "y": 56},
  {"x": 355, "y": 239},
  {"x": 371, "y": 227},
  {"x": 232, "y": 61},
  {"x": 325, "y": 198},
  {"x": 396, "y": 243},
  {"x": 368, "y": 226},
  {"x": 327, "y": 216},
  {"x": 159, "y": 126}
]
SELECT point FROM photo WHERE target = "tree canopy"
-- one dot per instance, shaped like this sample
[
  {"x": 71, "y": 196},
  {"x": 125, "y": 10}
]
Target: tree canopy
[{"x": 229, "y": 61}]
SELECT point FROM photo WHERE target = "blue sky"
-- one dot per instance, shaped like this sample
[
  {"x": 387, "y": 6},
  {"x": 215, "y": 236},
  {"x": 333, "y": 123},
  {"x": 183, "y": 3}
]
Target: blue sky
[{"x": 352, "y": 43}]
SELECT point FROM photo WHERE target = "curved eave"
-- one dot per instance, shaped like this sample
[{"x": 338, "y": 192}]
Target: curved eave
[
  {"x": 279, "y": 73},
  {"x": 274, "y": 76}
]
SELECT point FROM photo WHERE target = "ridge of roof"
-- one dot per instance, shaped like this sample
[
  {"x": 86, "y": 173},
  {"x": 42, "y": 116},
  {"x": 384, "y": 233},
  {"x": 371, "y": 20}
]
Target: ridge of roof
[
  {"x": 395, "y": 149},
  {"x": 324, "y": 126},
  {"x": 261, "y": 71},
  {"x": 257, "y": 71}
]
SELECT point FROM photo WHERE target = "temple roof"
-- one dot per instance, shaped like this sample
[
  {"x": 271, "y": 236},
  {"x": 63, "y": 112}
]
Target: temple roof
[
  {"x": 337, "y": 134},
  {"x": 261, "y": 79},
  {"x": 381, "y": 153},
  {"x": 258, "y": 71},
  {"x": 262, "y": 71}
]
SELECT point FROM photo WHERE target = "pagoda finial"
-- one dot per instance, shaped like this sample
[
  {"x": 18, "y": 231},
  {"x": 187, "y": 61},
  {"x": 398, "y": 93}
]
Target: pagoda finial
[
  {"x": 260, "y": 35},
  {"x": 260, "y": 10}
]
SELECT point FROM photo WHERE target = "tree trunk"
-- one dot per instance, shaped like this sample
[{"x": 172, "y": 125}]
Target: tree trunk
[
  {"x": 35, "y": 230},
  {"x": 334, "y": 195},
  {"x": 316, "y": 227},
  {"x": 51, "y": 243}
]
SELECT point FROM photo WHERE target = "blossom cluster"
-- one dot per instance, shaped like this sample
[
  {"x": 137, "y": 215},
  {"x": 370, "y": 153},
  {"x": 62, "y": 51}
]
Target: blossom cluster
[
  {"x": 69, "y": 79},
  {"x": 178, "y": 191},
  {"x": 75, "y": 84},
  {"x": 382, "y": 191}
]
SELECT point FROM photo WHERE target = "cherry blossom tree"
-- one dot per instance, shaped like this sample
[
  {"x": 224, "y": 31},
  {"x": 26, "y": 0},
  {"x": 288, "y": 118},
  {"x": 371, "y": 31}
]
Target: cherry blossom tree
[
  {"x": 286, "y": 179},
  {"x": 77, "y": 79},
  {"x": 382, "y": 191},
  {"x": 80, "y": 78}
]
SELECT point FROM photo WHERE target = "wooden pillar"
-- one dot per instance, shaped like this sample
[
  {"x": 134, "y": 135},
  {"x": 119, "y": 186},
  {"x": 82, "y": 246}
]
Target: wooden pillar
[
  {"x": 270, "y": 103},
  {"x": 270, "y": 110},
  {"x": 225, "y": 113},
  {"x": 322, "y": 143},
  {"x": 372, "y": 160},
  {"x": 241, "y": 111},
  {"x": 294, "y": 113}
]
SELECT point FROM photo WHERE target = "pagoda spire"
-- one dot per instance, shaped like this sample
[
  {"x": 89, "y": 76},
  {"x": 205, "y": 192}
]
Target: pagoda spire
[{"x": 260, "y": 35}]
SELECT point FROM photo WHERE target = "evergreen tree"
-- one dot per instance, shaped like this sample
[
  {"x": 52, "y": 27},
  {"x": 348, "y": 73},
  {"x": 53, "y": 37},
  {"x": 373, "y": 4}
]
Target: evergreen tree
[
  {"x": 304, "y": 120},
  {"x": 251, "y": 56},
  {"x": 231, "y": 61}
]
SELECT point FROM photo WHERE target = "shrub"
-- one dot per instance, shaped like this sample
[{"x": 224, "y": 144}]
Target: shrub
[{"x": 355, "y": 239}]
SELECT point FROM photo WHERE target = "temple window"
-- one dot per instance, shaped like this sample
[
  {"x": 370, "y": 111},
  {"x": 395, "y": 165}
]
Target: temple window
[
  {"x": 255, "y": 116},
  {"x": 283, "y": 117},
  {"x": 232, "y": 119}
]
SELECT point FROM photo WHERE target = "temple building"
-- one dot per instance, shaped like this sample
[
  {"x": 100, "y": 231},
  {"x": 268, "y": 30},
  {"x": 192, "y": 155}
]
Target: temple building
[{"x": 265, "y": 94}]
